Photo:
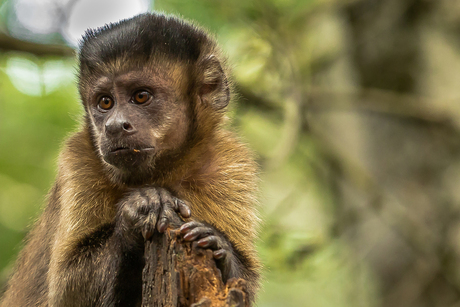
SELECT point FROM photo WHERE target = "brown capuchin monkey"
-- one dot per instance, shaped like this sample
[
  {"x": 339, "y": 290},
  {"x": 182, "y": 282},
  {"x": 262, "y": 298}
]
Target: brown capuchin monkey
[{"x": 152, "y": 149}]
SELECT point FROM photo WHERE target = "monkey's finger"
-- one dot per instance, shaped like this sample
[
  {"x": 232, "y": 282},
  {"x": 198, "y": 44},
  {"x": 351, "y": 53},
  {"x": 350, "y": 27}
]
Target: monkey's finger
[
  {"x": 189, "y": 226},
  {"x": 219, "y": 254},
  {"x": 163, "y": 220},
  {"x": 168, "y": 217},
  {"x": 163, "y": 223},
  {"x": 152, "y": 217},
  {"x": 198, "y": 232},
  {"x": 177, "y": 204},
  {"x": 182, "y": 208},
  {"x": 209, "y": 242},
  {"x": 147, "y": 232},
  {"x": 147, "y": 225}
]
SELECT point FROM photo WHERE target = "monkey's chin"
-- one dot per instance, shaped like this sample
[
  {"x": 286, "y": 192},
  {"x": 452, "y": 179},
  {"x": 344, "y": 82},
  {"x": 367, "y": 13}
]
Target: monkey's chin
[{"x": 129, "y": 159}]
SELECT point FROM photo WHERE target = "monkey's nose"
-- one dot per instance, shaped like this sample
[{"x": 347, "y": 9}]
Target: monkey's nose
[
  {"x": 119, "y": 127},
  {"x": 127, "y": 127}
]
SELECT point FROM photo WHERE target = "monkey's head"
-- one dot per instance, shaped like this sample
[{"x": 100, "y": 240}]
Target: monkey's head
[{"x": 153, "y": 87}]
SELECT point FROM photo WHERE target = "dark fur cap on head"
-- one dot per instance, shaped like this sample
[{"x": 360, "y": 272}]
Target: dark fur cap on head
[
  {"x": 155, "y": 39},
  {"x": 141, "y": 37}
]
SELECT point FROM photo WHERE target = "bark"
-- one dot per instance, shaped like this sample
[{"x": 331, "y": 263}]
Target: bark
[{"x": 179, "y": 274}]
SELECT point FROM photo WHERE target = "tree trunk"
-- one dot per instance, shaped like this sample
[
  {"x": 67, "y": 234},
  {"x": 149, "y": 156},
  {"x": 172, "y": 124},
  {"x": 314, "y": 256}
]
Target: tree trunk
[{"x": 179, "y": 274}]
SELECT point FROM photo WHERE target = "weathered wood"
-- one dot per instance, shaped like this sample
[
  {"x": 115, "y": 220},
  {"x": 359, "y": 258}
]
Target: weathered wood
[{"x": 179, "y": 274}]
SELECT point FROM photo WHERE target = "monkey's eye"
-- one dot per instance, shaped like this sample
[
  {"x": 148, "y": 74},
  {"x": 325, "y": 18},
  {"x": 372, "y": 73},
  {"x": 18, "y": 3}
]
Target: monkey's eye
[
  {"x": 105, "y": 103},
  {"x": 141, "y": 97}
]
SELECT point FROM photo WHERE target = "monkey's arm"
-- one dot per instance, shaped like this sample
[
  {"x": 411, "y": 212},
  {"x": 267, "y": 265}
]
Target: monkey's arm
[
  {"x": 100, "y": 270},
  {"x": 104, "y": 267},
  {"x": 91, "y": 257},
  {"x": 28, "y": 285}
]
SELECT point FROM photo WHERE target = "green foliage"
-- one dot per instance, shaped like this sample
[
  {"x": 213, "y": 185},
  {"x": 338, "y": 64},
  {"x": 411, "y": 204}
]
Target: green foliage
[{"x": 32, "y": 129}]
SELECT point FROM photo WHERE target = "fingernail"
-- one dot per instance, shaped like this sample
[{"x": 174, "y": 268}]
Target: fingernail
[
  {"x": 184, "y": 228},
  {"x": 162, "y": 227},
  {"x": 219, "y": 254},
  {"x": 190, "y": 236},
  {"x": 203, "y": 242},
  {"x": 147, "y": 234},
  {"x": 185, "y": 212}
]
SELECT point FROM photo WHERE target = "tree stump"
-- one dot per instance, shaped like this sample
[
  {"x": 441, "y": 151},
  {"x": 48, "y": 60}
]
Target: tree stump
[{"x": 179, "y": 274}]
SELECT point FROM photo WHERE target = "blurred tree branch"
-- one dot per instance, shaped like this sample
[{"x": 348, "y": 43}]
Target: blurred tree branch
[
  {"x": 8, "y": 43},
  {"x": 385, "y": 102},
  {"x": 366, "y": 100}
]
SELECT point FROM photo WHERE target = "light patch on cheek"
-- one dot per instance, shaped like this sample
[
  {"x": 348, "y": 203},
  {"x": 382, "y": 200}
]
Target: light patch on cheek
[
  {"x": 97, "y": 133},
  {"x": 177, "y": 129},
  {"x": 156, "y": 134},
  {"x": 161, "y": 133}
]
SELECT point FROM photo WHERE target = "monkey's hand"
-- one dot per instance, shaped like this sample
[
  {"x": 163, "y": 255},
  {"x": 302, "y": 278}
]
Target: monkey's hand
[
  {"x": 209, "y": 238},
  {"x": 145, "y": 208}
]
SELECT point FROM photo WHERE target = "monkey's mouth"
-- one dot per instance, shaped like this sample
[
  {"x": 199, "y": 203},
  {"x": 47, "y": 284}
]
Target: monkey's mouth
[
  {"x": 123, "y": 150},
  {"x": 125, "y": 158}
]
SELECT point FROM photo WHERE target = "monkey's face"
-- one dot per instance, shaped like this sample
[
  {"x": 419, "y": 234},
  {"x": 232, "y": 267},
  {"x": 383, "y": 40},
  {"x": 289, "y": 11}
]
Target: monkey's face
[{"x": 138, "y": 116}]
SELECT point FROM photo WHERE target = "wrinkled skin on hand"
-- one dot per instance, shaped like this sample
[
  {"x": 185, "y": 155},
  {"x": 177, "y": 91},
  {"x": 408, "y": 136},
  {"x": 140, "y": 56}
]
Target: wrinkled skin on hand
[
  {"x": 145, "y": 209},
  {"x": 208, "y": 237}
]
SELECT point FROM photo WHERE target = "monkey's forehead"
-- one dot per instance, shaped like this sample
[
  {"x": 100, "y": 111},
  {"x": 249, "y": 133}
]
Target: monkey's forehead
[
  {"x": 144, "y": 36},
  {"x": 124, "y": 72}
]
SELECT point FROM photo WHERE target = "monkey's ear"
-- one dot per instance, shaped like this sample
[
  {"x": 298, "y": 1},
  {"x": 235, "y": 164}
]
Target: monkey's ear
[{"x": 214, "y": 88}]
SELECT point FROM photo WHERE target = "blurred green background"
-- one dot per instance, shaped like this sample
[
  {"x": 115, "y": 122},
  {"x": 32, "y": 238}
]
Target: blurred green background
[{"x": 351, "y": 105}]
